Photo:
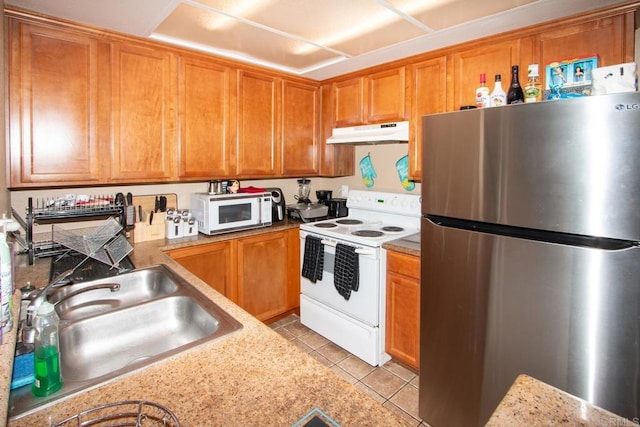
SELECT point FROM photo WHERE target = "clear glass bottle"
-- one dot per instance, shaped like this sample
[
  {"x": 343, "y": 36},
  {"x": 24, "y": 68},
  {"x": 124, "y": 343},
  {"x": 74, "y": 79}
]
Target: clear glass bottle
[
  {"x": 48, "y": 378},
  {"x": 482, "y": 93},
  {"x": 498, "y": 96},
  {"x": 532, "y": 89},
  {"x": 515, "y": 95}
]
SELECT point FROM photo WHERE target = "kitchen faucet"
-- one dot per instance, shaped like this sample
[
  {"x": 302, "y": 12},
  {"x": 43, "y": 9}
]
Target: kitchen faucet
[{"x": 28, "y": 330}]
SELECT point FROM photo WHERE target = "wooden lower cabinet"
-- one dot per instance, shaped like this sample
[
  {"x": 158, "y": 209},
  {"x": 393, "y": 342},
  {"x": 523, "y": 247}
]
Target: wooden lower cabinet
[
  {"x": 268, "y": 273},
  {"x": 213, "y": 263},
  {"x": 402, "y": 334},
  {"x": 260, "y": 273}
]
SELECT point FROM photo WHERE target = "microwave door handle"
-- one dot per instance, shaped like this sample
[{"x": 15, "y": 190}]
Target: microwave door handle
[{"x": 366, "y": 252}]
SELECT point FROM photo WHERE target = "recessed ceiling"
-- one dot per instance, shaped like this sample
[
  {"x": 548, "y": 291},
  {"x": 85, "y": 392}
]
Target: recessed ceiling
[{"x": 311, "y": 38}]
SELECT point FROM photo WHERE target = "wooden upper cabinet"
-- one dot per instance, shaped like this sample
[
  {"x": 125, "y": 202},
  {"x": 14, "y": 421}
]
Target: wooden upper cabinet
[
  {"x": 348, "y": 99},
  {"x": 258, "y": 135},
  {"x": 606, "y": 37},
  {"x": 54, "y": 115},
  {"x": 374, "y": 98},
  {"x": 335, "y": 159},
  {"x": 143, "y": 85},
  {"x": 205, "y": 128},
  {"x": 300, "y": 128},
  {"x": 491, "y": 59},
  {"x": 385, "y": 96},
  {"x": 428, "y": 82}
]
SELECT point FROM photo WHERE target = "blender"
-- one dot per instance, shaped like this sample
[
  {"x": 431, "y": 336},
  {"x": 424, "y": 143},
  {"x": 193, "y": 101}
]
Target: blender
[{"x": 304, "y": 189}]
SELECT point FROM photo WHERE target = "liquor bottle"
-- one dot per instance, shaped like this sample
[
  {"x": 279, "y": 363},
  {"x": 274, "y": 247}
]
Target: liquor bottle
[
  {"x": 482, "y": 93},
  {"x": 515, "y": 94},
  {"x": 498, "y": 96},
  {"x": 532, "y": 89}
]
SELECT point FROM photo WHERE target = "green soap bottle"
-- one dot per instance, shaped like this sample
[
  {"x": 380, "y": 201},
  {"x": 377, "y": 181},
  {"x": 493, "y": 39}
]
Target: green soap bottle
[{"x": 48, "y": 378}]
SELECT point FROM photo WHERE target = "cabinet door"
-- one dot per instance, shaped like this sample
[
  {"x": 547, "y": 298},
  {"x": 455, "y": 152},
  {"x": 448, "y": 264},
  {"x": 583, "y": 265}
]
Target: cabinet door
[
  {"x": 492, "y": 59},
  {"x": 204, "y": 120},
  {"x": 213, "y": 263},
  {"x": 604, "y": 37},
  {"x": 428, "y": 96},
  {"x": 258, "y": 145},
  {"x": 143, "y": 116},
  {"x": 263, "y": 274},
  {"x": 54, "y": 113},
  {"x": 300, "y": 117},
  {"x": 335, "y": 159},
  {"x": 385, "y": 96},
  {"x": 402, "y": 333},
  {"x": 348, "y": 97}
]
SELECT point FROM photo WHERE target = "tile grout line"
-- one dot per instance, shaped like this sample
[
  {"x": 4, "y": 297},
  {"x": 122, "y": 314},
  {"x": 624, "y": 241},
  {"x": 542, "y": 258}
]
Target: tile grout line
[{"x": 295, "y": 338}]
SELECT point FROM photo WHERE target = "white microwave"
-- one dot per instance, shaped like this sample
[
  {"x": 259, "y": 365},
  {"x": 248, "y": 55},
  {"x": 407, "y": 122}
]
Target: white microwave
[{"x": 223, "y": 213}]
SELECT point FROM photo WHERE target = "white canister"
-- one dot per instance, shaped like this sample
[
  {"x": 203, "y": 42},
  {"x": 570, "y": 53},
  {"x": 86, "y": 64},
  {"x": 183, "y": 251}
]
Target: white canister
[{"x": 173, "y": 227}]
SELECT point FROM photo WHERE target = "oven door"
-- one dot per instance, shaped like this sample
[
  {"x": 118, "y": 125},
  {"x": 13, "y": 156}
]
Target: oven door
[{"x": 363, "y": 304}]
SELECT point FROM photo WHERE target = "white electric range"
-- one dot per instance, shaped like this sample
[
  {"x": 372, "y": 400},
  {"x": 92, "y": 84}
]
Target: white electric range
[{"x": 354, "y": 320}]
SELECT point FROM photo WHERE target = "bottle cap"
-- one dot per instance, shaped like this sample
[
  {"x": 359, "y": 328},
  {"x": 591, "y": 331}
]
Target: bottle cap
[
  {"x": 533, "y": 70},
  {"x": 45, "y": 308},
  {"x": 483, "y": 78},
  {"x": 498, "y": 77}
]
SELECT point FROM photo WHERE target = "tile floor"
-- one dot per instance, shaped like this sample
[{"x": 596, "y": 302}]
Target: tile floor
[{"x": 393, "y": 385}]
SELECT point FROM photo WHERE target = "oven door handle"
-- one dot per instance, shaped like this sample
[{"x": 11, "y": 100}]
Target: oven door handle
[{"x": 358, "y": 250}]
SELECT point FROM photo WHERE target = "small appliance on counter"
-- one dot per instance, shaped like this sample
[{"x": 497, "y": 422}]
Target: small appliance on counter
[
  {"x": 278, "y": 205},
  {"x": 305, "y": 210},
  {"x": 223, "y": 213},
  {"x": 324, "y": 196},
  {"x": 337, "y": 208}
]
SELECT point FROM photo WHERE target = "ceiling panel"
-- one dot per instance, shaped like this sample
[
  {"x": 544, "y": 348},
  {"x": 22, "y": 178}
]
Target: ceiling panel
[
  {"x": 441, "y": 14},
  {"x": 232, "y": 37}
]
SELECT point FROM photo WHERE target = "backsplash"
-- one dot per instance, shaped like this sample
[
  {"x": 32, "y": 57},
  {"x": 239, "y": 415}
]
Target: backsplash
[{"x": 382, "y": 157}]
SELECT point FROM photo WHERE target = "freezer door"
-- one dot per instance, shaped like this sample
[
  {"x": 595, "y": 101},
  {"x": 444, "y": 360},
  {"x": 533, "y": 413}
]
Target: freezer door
[
  {"x": 569, "y": 166},
  {"x": 494, "y": 307}
]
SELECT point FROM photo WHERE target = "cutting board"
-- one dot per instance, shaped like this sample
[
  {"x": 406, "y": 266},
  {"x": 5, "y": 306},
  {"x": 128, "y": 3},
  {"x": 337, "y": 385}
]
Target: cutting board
[{"x": 148, "y": 202}]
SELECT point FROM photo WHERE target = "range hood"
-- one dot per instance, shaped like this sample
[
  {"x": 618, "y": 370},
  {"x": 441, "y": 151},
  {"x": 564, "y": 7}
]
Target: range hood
[{"x": 381, "y": 133}]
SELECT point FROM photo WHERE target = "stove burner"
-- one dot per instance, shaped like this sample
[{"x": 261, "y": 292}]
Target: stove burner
[
  {"x": 349, "y": 221},
  {"x": 368, "y": 233},
  {"x": 392, "y": 228},
  {"x": 325, "y": 225}
]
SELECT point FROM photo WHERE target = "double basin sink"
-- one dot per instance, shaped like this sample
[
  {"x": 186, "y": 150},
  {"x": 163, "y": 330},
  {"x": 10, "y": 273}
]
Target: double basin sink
[{"x": 103, "y": 334}]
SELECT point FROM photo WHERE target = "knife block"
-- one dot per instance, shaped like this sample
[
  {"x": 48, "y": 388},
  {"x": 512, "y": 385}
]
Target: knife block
[{"x": 145, "y": 231}]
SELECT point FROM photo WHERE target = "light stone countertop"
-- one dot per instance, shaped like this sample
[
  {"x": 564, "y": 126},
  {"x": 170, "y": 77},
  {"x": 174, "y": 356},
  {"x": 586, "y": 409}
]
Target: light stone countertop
[
  {"x": 533, "y": 402},
  {"x": 251, "y": 377},
  {"x": 409, "y": 245}
]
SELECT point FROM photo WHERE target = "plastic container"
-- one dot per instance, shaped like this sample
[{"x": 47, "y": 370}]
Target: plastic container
[
  {"x": 48, "y": 378},
  {"x": 6, "y": 284}
]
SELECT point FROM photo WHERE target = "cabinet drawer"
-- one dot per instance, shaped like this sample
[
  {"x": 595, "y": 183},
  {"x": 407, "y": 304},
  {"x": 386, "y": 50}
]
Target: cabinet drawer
[{"x": 407, "y": 265}]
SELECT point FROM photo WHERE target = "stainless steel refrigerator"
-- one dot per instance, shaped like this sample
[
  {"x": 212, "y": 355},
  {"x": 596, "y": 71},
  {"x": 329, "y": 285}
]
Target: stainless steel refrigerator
[{"x": 530, "y": 255}]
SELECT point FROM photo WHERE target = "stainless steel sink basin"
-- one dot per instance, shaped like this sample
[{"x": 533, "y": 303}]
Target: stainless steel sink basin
[
  {"x": 155, "y": 315},
  {"x": 103, "y": 345},
  {"x": 135, "y": 287}
]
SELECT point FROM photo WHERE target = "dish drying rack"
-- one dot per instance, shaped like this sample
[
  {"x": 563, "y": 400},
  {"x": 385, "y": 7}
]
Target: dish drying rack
[
  {"x": 67, "y": 209},
  {"x": 105, "y": 244},
  {"x": 138, "y": 413}
]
